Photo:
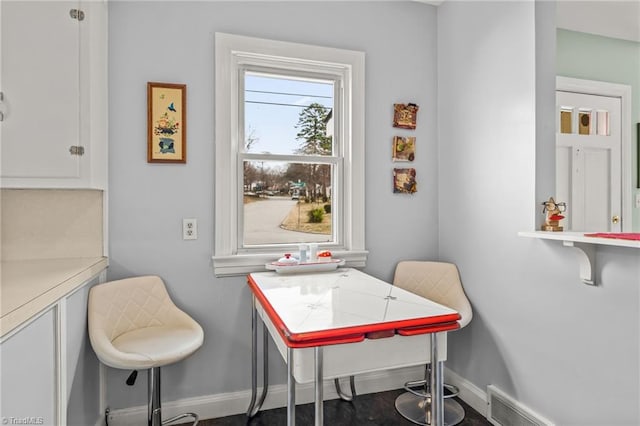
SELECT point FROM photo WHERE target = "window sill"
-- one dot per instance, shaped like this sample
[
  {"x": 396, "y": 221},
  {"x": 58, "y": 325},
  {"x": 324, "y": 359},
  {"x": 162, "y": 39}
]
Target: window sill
[{"x": 242, "y": 264}]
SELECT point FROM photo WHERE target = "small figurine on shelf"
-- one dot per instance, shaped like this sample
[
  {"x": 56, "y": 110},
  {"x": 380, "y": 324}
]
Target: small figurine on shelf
[{"x": 553, "y": 210}]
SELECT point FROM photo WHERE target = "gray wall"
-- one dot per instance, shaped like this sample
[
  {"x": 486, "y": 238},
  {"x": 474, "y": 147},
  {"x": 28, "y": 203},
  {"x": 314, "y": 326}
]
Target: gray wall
[
  {"x": 564, "y": 349},
  {"x": 556, "y": 345},
  {"x": 174, "y": 42}
]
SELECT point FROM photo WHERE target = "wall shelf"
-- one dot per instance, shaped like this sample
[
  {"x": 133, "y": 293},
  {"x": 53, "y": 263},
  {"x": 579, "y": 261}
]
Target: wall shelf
[{"x": 584, "y": 247}]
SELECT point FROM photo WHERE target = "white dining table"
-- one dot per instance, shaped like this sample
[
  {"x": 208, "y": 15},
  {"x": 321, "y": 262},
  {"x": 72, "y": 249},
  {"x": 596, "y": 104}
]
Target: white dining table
[{"x": 345, "y": 322}]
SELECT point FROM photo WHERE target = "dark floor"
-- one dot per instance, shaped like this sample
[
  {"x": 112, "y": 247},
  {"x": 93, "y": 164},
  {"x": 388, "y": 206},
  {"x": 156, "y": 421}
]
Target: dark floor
[{"x": 371, "y": 409}]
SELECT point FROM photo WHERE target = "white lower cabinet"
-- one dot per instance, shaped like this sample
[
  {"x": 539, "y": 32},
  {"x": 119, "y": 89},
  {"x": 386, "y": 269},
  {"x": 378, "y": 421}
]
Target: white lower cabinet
[
  {"x": 28, "y": 365},
  {"x": 49, "y": 372}
]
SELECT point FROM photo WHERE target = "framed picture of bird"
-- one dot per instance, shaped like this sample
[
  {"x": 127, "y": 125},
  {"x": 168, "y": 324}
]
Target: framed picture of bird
[{"x": 166, "y": 123}]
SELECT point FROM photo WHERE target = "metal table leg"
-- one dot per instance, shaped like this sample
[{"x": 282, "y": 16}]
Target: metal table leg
[
  {"x": 318, "y": 400},
  {"x": 291, "y": 390},
  {"x": 437, "y": 400},
  {"x": 253, "y": 406},
  {"x": 343, "y": 396}
]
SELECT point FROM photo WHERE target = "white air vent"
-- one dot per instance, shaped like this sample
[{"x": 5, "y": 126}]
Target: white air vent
[{"x": 506, "y": 411}]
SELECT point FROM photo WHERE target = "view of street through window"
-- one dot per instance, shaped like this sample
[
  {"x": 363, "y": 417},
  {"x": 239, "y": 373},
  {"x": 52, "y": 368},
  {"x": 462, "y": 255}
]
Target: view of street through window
[{"x": 288, "y": 130}]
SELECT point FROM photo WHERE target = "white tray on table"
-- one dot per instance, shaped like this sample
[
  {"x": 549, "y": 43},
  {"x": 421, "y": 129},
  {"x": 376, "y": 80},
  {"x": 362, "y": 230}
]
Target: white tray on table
[{"x": 287, "y": 268}]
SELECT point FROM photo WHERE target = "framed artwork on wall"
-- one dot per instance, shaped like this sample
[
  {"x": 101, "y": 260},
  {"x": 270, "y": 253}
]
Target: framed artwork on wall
[
  {"x": 404, "y": 148},
  {"x": 405, "y": 115},
  {"x": 166, "y": 123},
  {"x": 404, "y": 181}
]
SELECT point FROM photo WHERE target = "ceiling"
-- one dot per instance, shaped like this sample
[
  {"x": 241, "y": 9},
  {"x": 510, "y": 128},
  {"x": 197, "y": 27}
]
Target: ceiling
[
  {"x": 610, "y": 18},
  {"x": 617, "y": 19}
]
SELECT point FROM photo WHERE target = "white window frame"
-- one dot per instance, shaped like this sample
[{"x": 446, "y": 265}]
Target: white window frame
[{"x": 233, "y": 52}]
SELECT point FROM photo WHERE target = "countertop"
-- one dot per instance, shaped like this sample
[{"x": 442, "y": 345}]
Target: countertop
[
  {"x": 29, "y": 286},
  {"x": 580, "y": 237}
]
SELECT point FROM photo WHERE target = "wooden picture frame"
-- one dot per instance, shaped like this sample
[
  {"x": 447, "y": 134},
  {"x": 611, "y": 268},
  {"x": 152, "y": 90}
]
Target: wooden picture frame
[
  {"x": 404, "y": 181},
  {"x": 166, "y": 123},
  {"x": 404, "y": 148},
  {"x": 405, "y": 115}
]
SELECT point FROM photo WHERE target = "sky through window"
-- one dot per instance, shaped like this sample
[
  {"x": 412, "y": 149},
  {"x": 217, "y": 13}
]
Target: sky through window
[{"x": 273, "y": 106}]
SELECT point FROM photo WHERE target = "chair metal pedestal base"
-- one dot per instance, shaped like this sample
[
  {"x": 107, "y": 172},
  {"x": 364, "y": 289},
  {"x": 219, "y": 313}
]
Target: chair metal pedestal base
[
  {"x": 414, "y": 409},
  {"x": 154, "y": 406}
]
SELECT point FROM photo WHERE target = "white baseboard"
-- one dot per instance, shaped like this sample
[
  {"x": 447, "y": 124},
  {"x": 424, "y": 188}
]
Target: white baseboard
[
  {"x": 475, "y": 397},
  {"x": 231, "y": 403}
]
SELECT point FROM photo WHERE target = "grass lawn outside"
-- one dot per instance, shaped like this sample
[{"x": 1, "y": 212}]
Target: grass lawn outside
[{"x": 298, "y": 219}]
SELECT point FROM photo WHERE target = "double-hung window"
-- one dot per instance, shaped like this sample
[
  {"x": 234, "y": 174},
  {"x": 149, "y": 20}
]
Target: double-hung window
[{"x": 289, "y": 152}]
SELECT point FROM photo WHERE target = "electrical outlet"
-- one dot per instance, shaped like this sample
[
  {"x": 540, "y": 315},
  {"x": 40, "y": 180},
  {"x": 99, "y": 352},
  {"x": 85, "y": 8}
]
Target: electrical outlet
[{"x": 189, "y": 229}]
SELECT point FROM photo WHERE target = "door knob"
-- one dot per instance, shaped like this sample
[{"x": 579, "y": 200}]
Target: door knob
[{"x": 615, "y": 219}]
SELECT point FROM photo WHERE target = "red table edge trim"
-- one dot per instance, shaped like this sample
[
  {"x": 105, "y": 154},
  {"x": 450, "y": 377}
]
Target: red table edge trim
[
  {"x": 628, "y": 236},
  {"x": 429, "y": 329},
  {"x": 362, "y": 329},
  {"x": 351, "y": 334},
  {"x": 284, "y": 333},
  {"x": 324, "y": 342}
]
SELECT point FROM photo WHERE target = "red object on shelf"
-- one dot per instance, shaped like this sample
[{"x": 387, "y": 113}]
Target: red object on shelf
[{"x": 633, "y": 236}]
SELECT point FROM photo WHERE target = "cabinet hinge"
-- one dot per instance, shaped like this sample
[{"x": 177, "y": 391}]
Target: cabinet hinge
[
  {"x": 76, "y": 150},
  {"x": 76, "y": 14}
]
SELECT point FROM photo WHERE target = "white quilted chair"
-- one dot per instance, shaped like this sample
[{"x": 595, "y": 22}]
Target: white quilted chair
[
  {"x": 134, "y": 325},
  {"x": 439, "y": 282}
]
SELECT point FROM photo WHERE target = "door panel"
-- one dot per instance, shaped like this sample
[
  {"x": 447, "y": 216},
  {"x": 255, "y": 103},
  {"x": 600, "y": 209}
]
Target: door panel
[
  {"x": 588, "y": 160},
  {"x": 28, "y": 365},
  {"x": 597, "y": 212}
]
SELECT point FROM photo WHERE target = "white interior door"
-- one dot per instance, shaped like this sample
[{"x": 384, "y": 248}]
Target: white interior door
[{"x": 588, "y": 161}]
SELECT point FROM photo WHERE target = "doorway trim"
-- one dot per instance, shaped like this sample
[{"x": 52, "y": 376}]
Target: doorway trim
[{"x": 613, "y": 90}]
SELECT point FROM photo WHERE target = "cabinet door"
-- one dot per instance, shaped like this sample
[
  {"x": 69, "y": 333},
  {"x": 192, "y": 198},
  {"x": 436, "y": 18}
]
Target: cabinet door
[
  {"x": 28, "y": 381},
  {"x": 40, "y": 81},
  {"x": 82, "y": 376}
]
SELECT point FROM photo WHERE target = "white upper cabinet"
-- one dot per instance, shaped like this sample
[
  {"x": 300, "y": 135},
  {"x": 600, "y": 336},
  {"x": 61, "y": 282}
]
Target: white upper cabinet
[{"x": 54, "y": 99}]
